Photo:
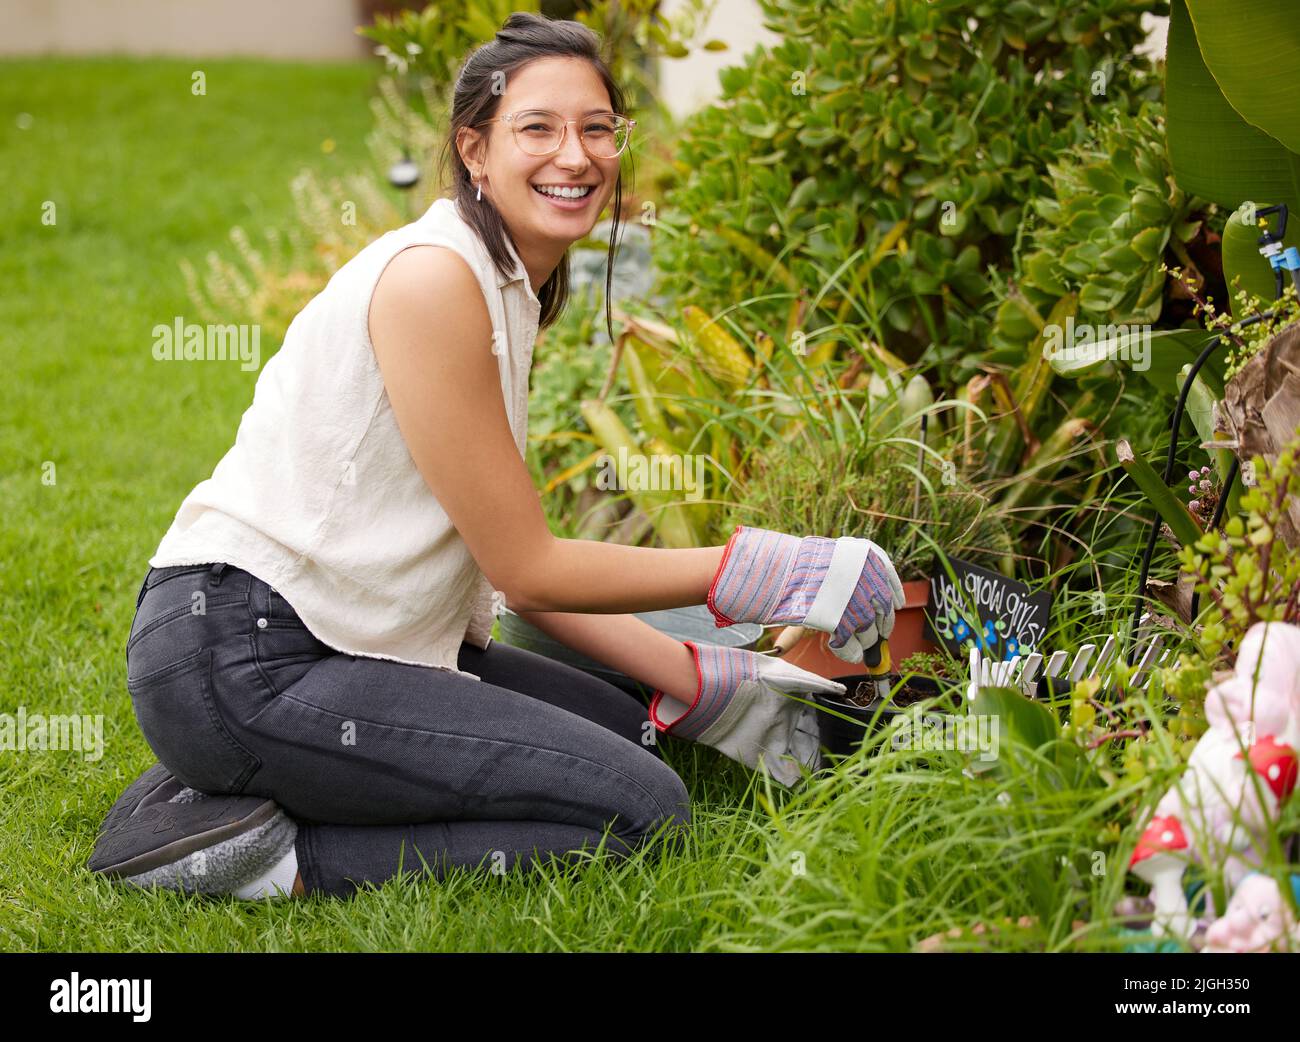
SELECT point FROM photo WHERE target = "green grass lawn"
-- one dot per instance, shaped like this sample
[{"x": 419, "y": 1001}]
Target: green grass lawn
[{"x": 143, "y": 174}]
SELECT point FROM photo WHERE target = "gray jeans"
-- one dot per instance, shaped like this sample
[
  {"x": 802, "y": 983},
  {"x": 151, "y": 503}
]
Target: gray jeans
[{"x": 389, "y": 768}]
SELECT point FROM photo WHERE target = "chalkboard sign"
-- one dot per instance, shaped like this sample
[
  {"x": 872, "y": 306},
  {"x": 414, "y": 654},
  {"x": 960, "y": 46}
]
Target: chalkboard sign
[{"x": 1011, "y": 621}]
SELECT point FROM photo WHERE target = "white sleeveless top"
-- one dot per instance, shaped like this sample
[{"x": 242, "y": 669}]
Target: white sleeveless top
[{"x": 319, "y": 496}]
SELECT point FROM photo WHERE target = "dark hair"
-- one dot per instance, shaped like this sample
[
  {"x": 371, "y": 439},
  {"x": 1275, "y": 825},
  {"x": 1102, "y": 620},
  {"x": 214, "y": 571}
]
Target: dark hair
[{"x": 523, "y": 38}]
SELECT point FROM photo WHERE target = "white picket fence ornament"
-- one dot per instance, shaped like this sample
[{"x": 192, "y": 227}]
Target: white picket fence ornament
[{"x": 1025, "y": 672}]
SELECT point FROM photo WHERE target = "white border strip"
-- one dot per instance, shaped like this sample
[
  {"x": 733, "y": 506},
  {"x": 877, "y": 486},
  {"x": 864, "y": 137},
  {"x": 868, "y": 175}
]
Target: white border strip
[{"x": 847, "y": 561}]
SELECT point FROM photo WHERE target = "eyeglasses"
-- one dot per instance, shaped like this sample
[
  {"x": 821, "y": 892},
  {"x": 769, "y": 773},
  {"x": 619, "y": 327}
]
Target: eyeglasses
[{"x": 604, "y": 135}]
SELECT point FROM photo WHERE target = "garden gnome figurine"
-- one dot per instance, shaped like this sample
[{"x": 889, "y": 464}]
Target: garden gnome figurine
[
  {"x": 1240, "y": 773},
  {"x": 1258, "y": 919}
]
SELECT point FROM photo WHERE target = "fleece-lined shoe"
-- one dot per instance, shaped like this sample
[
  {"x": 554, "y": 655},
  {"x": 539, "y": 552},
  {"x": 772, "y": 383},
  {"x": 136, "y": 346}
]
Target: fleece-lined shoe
[{"x": 161, "y": 833}]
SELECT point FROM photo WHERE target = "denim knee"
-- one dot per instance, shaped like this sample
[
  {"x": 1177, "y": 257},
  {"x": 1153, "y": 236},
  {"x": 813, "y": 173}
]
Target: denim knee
[{"x": 673, "y": 815}]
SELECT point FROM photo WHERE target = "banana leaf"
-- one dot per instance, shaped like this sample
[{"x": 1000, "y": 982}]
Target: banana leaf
[
  {"x": 1250, "y": 50},
  {"x": 1215, "y": 153}
]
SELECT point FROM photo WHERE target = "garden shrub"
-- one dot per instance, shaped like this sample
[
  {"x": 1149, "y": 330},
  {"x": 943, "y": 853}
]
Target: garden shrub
[{"x": 867, "y": 115}]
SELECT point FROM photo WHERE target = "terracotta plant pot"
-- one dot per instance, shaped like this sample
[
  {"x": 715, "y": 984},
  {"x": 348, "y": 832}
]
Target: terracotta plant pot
[{"x": 811, "y": 650}]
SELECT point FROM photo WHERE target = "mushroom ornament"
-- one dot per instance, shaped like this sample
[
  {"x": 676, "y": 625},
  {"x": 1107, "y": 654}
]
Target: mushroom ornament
[{"x": 1240, "y": 773}]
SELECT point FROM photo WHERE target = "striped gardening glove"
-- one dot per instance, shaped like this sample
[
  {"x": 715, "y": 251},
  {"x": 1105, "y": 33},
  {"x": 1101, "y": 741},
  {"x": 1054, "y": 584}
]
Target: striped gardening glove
[
  {"x": 846, "y": 587},
  {"x": 741, "y": 711}
]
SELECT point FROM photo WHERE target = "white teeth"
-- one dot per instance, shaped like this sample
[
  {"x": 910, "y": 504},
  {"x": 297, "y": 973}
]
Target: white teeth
[{"x": 564, "y": 193}]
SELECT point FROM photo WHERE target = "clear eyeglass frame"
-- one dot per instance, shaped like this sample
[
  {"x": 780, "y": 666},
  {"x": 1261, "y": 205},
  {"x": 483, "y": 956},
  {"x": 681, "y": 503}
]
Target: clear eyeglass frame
[{"x": 511, "y": 121}]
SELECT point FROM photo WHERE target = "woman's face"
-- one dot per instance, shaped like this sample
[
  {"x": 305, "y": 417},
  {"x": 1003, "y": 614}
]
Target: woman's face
[{"x": 571, "y": 89}]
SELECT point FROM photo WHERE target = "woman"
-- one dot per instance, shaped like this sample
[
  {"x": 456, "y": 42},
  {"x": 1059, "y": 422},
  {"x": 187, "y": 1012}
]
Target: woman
[{"x": 311, "y": 657}]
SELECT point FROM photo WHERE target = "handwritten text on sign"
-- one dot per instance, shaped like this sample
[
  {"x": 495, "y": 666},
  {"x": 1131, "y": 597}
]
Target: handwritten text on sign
[{"x": 1011, "y": 620}]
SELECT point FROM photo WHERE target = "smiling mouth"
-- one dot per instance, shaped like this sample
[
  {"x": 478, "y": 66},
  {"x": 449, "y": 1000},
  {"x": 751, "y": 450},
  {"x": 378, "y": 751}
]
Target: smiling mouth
[{"x": 567, "y": 195}]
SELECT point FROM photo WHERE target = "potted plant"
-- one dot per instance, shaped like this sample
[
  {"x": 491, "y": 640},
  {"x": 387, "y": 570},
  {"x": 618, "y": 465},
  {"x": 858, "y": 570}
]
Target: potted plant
[
  {"x": 886, "y": 487},
  {"x": 873, "y": 701},
  {"x": 928, "y": 665}
]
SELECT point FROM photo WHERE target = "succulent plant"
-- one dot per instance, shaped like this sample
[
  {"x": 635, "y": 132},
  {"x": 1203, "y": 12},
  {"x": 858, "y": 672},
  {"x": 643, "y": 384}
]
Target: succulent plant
[{"x": 1113, "y": 213}]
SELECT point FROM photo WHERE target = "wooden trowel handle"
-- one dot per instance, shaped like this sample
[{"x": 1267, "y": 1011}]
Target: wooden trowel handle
[{"x": 787, "y": 639}]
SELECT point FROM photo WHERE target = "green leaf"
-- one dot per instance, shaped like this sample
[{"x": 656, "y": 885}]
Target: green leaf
[
  {"x": 1016, "y": 321},
  {"x": 1166, "y": 351},
  {"x": 671, "y": 521},
  {"x": 1241, "y": 256},
  {"x": 645, "y": 394},
  {"x": 1250, "y": 49},
  {"x": 1186, "y": 529},
  {"x": 1214, "y": 152},
  {"x": 1019, "y": 719},
  {"x": 1150, "y": 242},
  {"x": 1042, "y": 273},
  {"x": 1200, "y": 409},
  {"x": 802, "y": 194}
]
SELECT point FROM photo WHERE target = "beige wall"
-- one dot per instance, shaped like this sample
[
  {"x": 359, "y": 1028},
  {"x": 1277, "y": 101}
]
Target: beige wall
[
  {"x": 688, "y": 83},
  {"x": 305, "y": 29},
  {"x": 310, "y": 29}
]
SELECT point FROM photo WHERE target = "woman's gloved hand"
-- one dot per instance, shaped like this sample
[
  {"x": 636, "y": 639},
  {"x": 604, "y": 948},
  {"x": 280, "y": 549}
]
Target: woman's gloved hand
[
  {"x": 847, "y": 587},
  {"x": 741, "y": 711}
]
